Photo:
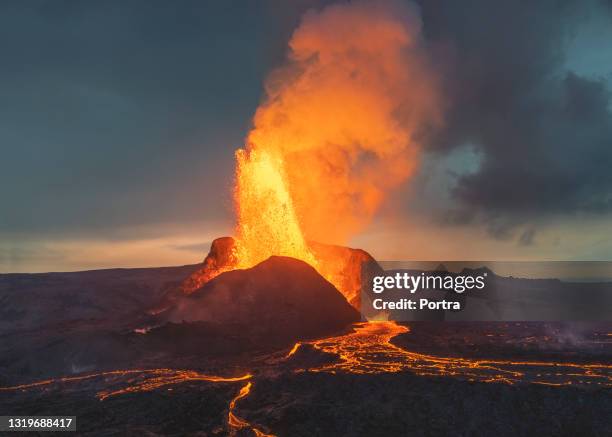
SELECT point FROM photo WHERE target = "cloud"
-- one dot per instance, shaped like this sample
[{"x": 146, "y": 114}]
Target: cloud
[
  {"x": 341, "y": 120},
  {"x": 199, "y": 248},
  {"x": 527, "y": 237},
  {"x": 544, "y": 134},
  {"x": 123, "y": 114}
]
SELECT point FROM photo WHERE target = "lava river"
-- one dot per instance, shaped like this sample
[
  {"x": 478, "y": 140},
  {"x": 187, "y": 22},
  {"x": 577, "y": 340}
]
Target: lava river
[
  {"x": 369, "y": 350},
  {"x": 366, "y": 350}
]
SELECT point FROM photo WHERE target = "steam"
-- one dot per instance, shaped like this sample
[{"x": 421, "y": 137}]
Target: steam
[{"x": 343, "y": 116}]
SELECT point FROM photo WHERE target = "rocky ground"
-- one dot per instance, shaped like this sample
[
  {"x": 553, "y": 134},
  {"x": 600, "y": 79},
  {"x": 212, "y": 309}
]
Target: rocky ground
[
  {"x": 319, "y": 404},
  {"x": 401, "y": 404},
  {"x": 75, "y": 324}
]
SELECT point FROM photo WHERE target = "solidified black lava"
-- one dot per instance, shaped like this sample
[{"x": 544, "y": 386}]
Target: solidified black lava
[{"x": 279, "y": 300}]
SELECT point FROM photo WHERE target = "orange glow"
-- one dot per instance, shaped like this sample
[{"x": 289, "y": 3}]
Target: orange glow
[
  {"x": 369, "y": 351},
  {"x": 141, "y": 380},
  {"x": 267, "y": 222},
  {"x": 236, "y": 423},
  {"x": 146, "y": 380},
  {"x": 337, "y": 130}
]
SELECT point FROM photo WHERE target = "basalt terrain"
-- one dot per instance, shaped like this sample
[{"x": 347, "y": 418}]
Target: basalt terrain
[{"x": 277, "y": 350}]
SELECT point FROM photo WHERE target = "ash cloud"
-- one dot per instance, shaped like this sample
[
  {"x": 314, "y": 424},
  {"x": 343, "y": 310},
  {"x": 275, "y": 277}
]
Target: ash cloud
[
  {"x": 346, "y": 114},
  {"x": 544, "y": 133}
]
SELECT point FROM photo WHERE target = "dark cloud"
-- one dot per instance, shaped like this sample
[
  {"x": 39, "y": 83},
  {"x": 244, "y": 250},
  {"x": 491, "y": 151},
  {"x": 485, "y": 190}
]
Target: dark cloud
[
  {"x": 127, "y": 113},
  {"x": 544, "y": 133},
  {"x": 554, "y": 158}
]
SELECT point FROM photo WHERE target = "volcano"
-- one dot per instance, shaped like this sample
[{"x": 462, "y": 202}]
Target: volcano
[
  {"x": 279, "y": 300},
  {"x": 271, "y": 350},
  {"x": 280, "y": 297},
  {"x": 346, "y": 265}
]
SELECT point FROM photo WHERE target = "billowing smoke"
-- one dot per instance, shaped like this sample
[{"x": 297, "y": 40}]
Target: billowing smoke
[{"x": 340, "y": 123}]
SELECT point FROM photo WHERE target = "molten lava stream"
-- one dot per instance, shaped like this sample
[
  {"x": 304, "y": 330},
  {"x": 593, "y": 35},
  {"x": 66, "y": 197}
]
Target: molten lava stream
[
  {"x": 369, "y": 350},
  {"x": 235, "y": 423},
  {"x": 145, "y": 380}
]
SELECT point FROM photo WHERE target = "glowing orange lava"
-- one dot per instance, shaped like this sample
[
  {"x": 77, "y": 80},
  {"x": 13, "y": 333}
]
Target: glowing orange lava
[
  {"x": 237, "y": 423},
  {"x": 369, "y": 350},
  {"x": 267, "y": 221},
  {"x": 141, "y": 380},
  {"x": 145, "y": 380}
]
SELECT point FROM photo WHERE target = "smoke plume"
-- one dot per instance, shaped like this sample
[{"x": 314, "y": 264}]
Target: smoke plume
[{"x": 340, "y": 123}]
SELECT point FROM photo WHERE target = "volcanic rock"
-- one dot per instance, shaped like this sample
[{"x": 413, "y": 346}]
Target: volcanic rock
[
  {"x": 220, "y": 255},
  {"x": 348, "y": 265},
  {"x": 281, "y": 298},
  {"x": 352, "y": 266}
]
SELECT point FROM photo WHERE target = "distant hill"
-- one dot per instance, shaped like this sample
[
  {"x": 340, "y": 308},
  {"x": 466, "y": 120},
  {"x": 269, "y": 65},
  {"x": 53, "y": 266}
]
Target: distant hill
[{"x": 31, "y": 301}]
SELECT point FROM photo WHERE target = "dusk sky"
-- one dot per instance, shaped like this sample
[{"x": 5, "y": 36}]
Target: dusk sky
[{"x": 119, "y": 123}]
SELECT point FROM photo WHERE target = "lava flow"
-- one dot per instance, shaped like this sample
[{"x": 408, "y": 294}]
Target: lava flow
[
  {"x": 235, "y": 423},
  {"x": 140, "y": 380},
  {"x": 369, "y": 350},
  {"x": 146, "y": 380}
]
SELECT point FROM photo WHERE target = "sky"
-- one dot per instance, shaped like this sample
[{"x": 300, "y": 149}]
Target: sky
[{"x": 119, "y": 122}]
